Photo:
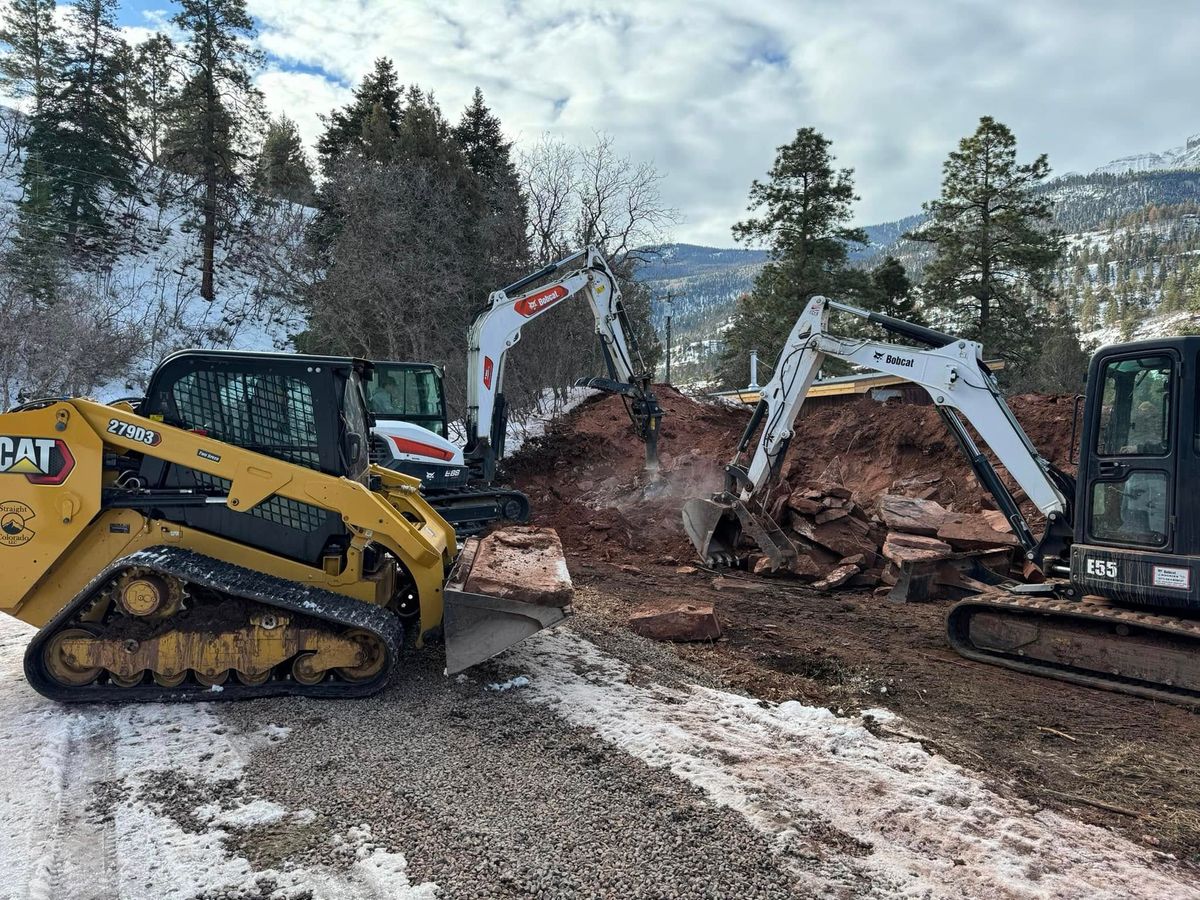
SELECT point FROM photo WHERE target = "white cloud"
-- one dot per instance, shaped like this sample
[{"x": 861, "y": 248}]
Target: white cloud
[
  {"x": 303, "y": 96},
  {"x": 708, "y": 88}
]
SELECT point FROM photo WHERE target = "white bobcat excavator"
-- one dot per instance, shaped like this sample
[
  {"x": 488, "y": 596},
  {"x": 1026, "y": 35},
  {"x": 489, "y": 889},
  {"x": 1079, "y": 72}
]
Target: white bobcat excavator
[
  {"x": 411, "y": 427},
  {"x": 1121, "y": 542}
]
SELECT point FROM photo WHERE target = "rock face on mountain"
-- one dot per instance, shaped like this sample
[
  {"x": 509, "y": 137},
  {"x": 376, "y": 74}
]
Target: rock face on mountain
[{"x": 1185, "y": 157}]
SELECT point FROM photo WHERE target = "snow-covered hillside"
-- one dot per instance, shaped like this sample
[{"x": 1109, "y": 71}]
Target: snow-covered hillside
[{"x": 150, "y": 287}]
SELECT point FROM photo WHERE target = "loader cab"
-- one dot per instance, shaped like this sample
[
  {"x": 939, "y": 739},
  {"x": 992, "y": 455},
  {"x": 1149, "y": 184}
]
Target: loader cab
[
  {"x": 1137, "y": 529},
  {"x": 409, "y": 392},
  {"x": 306, "y": 410}
]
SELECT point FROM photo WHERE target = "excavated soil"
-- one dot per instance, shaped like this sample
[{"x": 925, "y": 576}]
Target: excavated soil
[
  {"x": 1122, "y": 762},
  {"x": 587, "y": 478}
]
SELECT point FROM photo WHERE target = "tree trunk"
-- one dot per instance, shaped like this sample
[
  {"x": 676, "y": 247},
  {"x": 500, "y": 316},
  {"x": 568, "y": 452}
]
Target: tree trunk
[
  {"x": 985, "y": 268},
  {"x": 207, "y": 289},
  {"x": 209, "y": 236}
]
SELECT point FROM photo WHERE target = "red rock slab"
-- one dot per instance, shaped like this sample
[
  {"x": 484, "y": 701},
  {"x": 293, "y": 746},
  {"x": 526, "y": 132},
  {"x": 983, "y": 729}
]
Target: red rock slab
[
  {"x": 522, "y": 563},
  {"x": 683, "y": 620},
  {"x": 912, "y": 515}
]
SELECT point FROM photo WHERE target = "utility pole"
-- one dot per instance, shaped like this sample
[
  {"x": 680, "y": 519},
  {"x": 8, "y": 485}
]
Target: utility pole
[{"x": 669, "y": 299}]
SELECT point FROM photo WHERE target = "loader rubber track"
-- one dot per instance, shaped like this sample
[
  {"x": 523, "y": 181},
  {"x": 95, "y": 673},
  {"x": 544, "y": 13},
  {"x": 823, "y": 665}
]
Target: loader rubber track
[
  {"x": 1144, "y": 654},
  {"x": 235, "y": 582}
]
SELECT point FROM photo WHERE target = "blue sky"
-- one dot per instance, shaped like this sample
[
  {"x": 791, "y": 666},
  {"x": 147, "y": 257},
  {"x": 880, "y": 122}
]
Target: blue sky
[{"x": 706, "y": 89}]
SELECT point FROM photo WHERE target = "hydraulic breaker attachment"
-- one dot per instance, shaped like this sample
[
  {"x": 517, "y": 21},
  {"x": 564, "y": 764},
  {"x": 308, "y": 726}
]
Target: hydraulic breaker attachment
[
  {"x": 716, "y": 528},
  {"x": 644, "y": 409},
  {"x": 500, "y": 593}
]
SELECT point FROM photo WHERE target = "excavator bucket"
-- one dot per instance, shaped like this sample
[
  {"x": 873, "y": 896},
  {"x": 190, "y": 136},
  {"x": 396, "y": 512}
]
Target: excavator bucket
[
  {"x": 504, "y": 588},
  {"x": 716, "y": 528}
]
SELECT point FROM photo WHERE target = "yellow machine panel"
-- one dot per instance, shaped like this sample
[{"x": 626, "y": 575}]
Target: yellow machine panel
[{"x": 50, "y": 482}]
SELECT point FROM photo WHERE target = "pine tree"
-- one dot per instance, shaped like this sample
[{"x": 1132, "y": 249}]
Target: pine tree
[
  {"x": 1112, "y": 312},
  {"x": 502, "y": 219},
  {"x": 30, "y": 68},
  {"x": 1089, "y": 308},
  {"x": 995, "y": 249},
  {"x": 801, "y": 213},
  {"x": 366, "y": 126},
  {"x": 479, "y": 134},
  {"x": 283, "y": 169},
  {"x": 36, "y": 256},
  {"x": 155, "y": 94},
  {"x": 424, "y": 137},
  {"x": 81, "y": 137},
  {"x": 218, "y": 111},
  {"x": 894, "y": 291}
]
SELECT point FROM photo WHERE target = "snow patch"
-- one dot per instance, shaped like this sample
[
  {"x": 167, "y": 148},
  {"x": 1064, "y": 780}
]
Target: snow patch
[
  {"x": 254, "y": 814},
  {"x": 519, "y": 681},
  {"x": 275, "y": 733},
  {"x": 815, "y": 782},
  {"x": 92, "y": 800}
]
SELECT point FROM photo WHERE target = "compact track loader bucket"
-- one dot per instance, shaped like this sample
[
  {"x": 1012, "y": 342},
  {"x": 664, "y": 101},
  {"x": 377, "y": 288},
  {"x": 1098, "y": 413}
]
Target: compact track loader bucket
[
  {"x": 504, "y": 588},
  {"x": 716, "y": 527}
]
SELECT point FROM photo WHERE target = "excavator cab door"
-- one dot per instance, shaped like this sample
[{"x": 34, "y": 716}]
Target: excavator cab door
[{"x": 1134, "y": 451}]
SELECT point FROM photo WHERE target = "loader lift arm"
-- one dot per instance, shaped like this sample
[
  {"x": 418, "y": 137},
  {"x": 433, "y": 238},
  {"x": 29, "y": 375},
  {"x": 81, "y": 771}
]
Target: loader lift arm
[
  {"x": 497, "y": 328},
  {"x": 954, "y": 375}
]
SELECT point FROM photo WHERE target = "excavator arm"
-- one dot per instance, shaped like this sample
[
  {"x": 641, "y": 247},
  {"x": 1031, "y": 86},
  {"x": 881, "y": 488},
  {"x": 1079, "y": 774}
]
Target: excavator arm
[
  {"x": 498, "y": 327},
  {"x": 953, "y": 373}
]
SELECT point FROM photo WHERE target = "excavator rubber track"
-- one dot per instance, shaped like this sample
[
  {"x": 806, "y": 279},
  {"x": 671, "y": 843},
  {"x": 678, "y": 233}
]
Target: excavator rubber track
[
  {"x": 1083, "y": 642},
  {"x": 471, "y": 510},
  {"x": 242, "y": 590}
]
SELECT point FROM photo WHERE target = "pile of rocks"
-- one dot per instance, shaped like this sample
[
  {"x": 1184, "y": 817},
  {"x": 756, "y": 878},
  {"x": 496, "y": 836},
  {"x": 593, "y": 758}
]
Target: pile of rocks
[{"x": 845, "y": 544}]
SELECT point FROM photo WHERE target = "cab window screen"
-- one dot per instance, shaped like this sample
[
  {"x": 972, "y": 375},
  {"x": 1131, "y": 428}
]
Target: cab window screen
[
  {"x": 1135, "y": 413},
  {"x": 266, "y": 413}
]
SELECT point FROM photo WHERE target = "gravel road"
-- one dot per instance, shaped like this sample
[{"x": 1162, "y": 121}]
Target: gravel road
[
  {"x": 586, "y": 763},
  {"x": 491, "y": 796}
]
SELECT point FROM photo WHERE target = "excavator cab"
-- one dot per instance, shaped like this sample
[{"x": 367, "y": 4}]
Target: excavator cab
[
  {"x": 409, "y": 392},
  {"x": 1137, "y": 537}
]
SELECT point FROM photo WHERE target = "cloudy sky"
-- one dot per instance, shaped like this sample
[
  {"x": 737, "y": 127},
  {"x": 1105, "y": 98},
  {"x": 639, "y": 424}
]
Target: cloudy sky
[{"x": 706, "y": 89}]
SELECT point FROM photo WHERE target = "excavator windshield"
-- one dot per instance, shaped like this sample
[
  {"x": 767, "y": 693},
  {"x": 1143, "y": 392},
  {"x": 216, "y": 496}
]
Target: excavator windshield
[{"x": 408, "y": 392}]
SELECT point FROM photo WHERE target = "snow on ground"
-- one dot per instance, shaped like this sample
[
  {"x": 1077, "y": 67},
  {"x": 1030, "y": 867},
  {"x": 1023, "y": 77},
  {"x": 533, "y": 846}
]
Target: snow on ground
[
  {"x": 904, "y": 822},
  {"x": 148, "y": 801},
  {"x": 549, "y": 407},
  {"x": 152, "y": 284},
  {"x": 524, "y": 426},
  {"x": 1151, "y": 327},
  {"x": 142, "y": 802}
]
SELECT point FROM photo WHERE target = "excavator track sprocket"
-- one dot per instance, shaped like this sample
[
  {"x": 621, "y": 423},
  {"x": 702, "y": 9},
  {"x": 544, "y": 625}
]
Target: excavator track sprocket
[
  {"x": 241, "y": 634},
  {"x": 1081, "y": 641}
]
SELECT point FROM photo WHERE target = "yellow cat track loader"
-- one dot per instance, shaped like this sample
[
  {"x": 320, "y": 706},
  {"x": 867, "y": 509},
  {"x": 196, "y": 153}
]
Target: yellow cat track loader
[{"x": 228, "y": 539}]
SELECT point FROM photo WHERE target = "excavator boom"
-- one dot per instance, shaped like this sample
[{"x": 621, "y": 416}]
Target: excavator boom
[{"x": 411, "y": 433}]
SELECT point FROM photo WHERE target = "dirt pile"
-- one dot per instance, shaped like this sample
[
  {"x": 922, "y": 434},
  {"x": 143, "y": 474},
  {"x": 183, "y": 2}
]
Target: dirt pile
[
  {"x": 875, "y": 448},
  {"x": 586, "y": 476}
]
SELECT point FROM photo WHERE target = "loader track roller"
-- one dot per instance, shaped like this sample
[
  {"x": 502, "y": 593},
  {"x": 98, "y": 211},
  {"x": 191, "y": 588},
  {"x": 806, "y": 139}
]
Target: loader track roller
[
  {"x": 1083, "y": 642},
  {"x": 235, "y": 634}
]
